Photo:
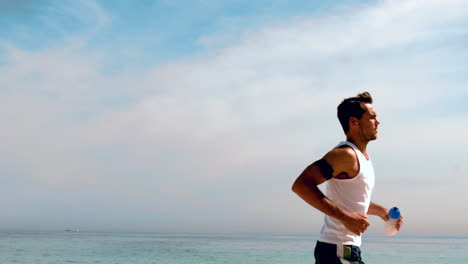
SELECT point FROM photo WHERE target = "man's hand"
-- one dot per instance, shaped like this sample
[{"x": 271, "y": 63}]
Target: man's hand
[
  {"x": 385, "y": 217},
  {"x": 382, "y": 212},
  {"x": 399, "y": 223},
  {"x": 355, "y": 222}
]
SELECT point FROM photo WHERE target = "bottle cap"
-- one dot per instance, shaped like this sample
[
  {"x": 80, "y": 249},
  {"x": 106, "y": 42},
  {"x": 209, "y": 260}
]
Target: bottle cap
[{"x": 394, "y": 213}]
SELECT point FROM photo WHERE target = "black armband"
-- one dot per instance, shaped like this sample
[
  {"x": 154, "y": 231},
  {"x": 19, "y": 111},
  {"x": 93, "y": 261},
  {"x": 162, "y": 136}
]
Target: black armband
[{"x": 325, "y": 168}]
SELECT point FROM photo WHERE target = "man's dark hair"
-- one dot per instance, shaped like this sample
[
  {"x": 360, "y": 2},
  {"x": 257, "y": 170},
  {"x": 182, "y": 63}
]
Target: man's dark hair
[{"x": 351, "y": 107}]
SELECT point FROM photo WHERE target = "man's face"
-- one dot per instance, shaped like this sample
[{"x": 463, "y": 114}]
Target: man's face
[{"x": 369, "y": 122}]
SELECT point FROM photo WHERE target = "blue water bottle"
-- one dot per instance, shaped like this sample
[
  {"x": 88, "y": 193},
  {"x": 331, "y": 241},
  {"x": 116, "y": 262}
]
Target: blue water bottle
[{"x": 390, "y": 226}]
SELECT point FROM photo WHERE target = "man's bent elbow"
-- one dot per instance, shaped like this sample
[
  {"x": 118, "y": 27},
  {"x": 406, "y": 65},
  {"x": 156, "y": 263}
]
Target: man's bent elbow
[
  {"x": 294, "y": 188},
  {"x": 297, "y": 187}
]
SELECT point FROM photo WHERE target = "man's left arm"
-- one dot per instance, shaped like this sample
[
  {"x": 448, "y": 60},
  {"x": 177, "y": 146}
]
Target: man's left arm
[{"x": 382, "y": 212}]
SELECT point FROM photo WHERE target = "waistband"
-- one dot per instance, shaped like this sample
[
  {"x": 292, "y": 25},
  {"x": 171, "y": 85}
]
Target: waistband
[{"x": 347, "y": 252}]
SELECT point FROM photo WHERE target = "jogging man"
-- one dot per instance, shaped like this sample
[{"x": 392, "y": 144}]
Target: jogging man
[{"x": 350, "y": 175}]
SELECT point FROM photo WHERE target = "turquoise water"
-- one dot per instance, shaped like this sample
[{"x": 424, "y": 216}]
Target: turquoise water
[{"x": 210, "y": 248}]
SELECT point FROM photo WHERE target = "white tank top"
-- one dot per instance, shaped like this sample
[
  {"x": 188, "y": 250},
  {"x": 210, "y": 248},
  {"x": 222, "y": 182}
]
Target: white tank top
[{"x": 353, "y": 195}]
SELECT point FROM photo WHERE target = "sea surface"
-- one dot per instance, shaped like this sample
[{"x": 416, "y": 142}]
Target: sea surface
[{"x": 117, "y": 247}]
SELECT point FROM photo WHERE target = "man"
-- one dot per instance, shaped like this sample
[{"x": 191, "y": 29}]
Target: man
[{"x": 350, "y": 175}]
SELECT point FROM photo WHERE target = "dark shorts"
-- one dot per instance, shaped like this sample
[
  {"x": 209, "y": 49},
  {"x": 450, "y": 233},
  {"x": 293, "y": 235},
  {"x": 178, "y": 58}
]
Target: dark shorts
[{"x": 326, "y": 253}]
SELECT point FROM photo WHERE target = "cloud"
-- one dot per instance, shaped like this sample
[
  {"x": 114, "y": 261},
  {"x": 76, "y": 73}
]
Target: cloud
[{"x": 235, "y": 125}]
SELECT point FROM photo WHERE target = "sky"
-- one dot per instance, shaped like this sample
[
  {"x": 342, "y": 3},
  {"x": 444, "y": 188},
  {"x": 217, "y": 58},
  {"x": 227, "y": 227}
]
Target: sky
[{"x": 200, "y": 114}]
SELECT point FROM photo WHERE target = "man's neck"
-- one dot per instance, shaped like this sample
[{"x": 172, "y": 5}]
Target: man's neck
[{"x": 360, "y": 144}]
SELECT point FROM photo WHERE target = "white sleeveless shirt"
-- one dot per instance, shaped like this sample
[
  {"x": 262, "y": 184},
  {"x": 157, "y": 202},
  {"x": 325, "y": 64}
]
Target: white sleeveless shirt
[{"x": 353, "y": 195}]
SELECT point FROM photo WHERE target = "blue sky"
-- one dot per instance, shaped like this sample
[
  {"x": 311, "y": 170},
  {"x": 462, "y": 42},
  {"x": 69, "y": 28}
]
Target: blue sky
[{"x": 200, "y": 115}]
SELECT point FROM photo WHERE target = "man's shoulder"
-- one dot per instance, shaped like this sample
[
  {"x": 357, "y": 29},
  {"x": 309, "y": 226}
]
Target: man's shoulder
[
  {"x": 342, "y": 152},
  {"x": 342, "y": 159}
]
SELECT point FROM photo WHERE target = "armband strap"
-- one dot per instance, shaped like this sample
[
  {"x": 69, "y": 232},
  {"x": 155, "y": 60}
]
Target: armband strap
[{"x": 325, "y": 168}]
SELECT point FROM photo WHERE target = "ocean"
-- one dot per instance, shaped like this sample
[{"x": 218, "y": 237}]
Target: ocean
[{"x": 53, "y": 247}]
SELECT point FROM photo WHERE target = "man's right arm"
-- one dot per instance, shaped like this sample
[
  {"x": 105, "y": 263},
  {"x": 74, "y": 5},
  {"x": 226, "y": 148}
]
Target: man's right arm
[{"x": 306, "y": 187}]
